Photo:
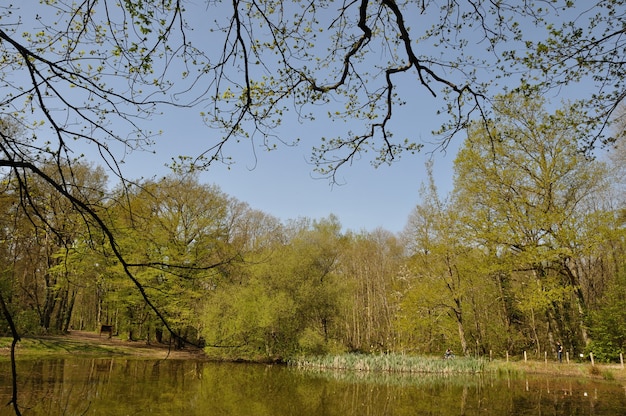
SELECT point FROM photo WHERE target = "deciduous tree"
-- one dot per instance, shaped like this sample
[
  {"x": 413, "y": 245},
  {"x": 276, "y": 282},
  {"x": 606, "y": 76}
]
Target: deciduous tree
[
  {"x": 528, "y": 195},
  {"x": 176, "y": 234},
  {"x": 288, "y": 301},
  {"x": 370, "y": 263}
]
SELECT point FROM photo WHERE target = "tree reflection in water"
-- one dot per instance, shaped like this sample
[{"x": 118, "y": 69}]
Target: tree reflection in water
[{"x": 116, "y": 386}]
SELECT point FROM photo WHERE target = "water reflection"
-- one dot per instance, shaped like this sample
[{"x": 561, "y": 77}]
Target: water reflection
[{"x": 127, "y": 386}]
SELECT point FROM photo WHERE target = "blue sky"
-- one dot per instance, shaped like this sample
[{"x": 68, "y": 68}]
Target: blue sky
[{"x": 283, "y": 183}]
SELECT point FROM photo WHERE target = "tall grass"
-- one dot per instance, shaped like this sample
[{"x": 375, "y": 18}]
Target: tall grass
[{"x": 392, "y": 363}]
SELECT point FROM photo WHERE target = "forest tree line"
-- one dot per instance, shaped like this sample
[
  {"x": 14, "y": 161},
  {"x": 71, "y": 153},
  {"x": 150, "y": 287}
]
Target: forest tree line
[{"x": 527, "y": 249}]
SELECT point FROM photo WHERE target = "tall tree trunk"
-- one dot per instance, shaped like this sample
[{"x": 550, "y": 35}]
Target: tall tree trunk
[
  {"x": 60, "y": 310},
  {"x": 458, "y": 313},
  {"x": 67, "y": 317},
  {"x": 580, "y": 300},
  {"x": 50, "y": 300},
  {"x": 533, "y": 323},
  {"x": 506, "y": 303}
]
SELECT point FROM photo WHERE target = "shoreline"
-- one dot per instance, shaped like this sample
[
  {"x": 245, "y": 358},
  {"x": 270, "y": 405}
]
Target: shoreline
[
  {"x": 91, "y": 344},
  {"x": 603, "y": 371},
  {"x": 86, "y": 343}
]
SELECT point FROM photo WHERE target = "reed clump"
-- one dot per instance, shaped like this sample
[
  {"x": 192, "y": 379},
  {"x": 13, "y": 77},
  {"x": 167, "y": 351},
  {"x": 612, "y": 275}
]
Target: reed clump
[
  {"x": 392, "y": 363},
  {"x": 608, "y": 375},
  {"x": 508, "y": 369}
]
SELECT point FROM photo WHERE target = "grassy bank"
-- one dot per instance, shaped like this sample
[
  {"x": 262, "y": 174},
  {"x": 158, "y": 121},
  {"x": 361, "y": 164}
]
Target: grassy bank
[
  {"x": 572, "y": 369},
  {"x": 90, "y": 344},
  {"x": 395, "y": 363},
  {"x": 56, "y": 347}
]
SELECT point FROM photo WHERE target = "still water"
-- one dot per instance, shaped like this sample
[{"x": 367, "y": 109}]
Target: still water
[{"x": 176, "y": 387}]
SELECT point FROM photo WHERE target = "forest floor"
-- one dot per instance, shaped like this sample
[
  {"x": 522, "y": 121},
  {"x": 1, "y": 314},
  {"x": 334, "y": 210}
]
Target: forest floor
[{"x": 93, "y": 344}]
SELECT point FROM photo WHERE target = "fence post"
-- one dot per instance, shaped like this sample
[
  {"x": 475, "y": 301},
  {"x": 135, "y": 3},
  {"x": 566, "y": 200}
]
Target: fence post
[
  {"x": 592, "y": 362},
  {"x": 525, "y": 357}
]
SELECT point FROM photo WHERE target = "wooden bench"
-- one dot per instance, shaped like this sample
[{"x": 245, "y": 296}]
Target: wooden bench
[{"x": 106, "y": 328}]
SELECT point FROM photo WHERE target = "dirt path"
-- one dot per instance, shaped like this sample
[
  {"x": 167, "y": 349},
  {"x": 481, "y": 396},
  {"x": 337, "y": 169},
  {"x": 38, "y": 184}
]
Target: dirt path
[{"x": 90, "y": 342}]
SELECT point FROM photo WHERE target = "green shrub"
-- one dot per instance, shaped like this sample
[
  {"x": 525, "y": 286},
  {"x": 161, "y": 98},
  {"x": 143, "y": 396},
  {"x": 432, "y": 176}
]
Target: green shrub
[
  {"x": 603, "y": 351},
  {"x": 27, "y": 322},
  {"x": 311, "y": 342}
]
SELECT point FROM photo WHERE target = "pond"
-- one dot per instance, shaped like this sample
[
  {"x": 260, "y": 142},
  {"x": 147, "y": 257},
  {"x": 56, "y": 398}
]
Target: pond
[{"x": 116, "y": 386}]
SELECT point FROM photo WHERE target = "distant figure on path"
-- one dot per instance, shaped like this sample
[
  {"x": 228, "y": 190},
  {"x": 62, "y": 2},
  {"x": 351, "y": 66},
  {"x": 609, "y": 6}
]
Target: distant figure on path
[{"x": 559, "y": 351}]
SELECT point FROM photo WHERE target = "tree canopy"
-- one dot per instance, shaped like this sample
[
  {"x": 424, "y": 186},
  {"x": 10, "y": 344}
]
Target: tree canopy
[{"x": 100, "y": 72}]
